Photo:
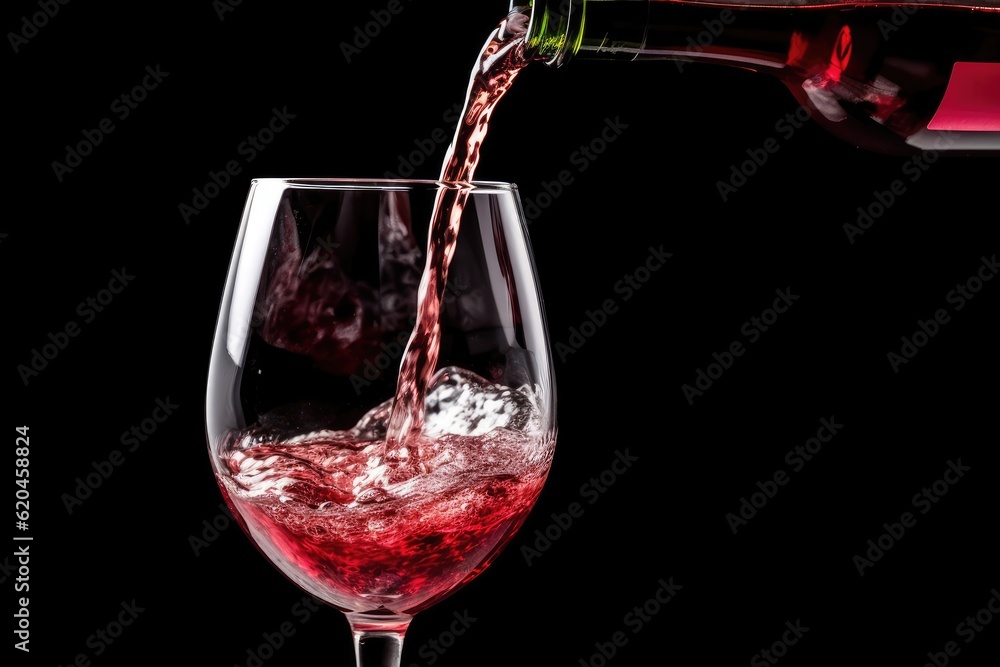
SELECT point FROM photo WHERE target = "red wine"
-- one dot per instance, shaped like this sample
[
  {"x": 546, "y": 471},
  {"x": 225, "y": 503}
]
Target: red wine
[
  {"x": 893, "y": 78},
  {"x": 323, "y": 509},
  {"x": 499, "y": 63}
]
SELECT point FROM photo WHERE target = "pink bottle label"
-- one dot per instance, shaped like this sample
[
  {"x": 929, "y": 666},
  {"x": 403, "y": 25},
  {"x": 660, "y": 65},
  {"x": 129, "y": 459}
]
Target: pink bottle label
[{"x": 971, "y": 102}]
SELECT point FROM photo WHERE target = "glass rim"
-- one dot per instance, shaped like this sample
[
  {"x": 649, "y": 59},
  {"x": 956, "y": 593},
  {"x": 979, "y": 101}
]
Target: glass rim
[{"x": 387, "y": 183}]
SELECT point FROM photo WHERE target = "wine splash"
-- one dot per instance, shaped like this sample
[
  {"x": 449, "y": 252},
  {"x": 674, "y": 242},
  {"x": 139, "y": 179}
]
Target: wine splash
[{"x": 500, "y": 61}]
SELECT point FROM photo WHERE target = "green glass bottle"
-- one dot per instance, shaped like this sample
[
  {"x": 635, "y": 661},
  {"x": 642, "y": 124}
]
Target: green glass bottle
[{"x": 894, "y": 78}]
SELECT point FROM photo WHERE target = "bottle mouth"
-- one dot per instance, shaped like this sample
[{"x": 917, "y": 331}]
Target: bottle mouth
[{"x": 555, "y": 28}]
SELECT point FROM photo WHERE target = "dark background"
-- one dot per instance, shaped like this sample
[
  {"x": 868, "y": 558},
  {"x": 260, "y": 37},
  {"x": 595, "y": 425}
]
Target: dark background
[{"x": 136, "y": 537}]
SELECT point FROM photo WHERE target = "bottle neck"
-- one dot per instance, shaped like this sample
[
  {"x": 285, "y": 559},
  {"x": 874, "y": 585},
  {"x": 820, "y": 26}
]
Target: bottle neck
[
  {"x": 698, "y": 31},
  {"x": 562, "y": 29},
  {"x": 754, "y": 34}
]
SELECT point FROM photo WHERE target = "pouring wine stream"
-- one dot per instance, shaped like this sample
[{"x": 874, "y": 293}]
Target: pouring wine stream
[{"x": 501, "y": 60}]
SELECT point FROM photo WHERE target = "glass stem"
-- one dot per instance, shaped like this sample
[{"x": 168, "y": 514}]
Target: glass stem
[{"x": 377, "y": 644}]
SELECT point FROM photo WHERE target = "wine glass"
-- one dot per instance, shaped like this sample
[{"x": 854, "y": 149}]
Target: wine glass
[{"x": 327, "y": 284}]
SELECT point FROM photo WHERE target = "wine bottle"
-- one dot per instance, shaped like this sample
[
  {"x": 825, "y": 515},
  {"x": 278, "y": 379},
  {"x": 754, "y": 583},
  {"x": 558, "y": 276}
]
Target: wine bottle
[{"x": 893, "y": 78}]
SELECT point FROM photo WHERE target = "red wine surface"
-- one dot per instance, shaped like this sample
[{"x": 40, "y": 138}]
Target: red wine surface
[{"x": 333, "y": 516}]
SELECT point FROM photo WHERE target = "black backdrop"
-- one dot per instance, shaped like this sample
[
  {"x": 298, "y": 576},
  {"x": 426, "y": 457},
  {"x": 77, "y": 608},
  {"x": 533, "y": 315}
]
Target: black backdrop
[{"x": 140, "y": 548}]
